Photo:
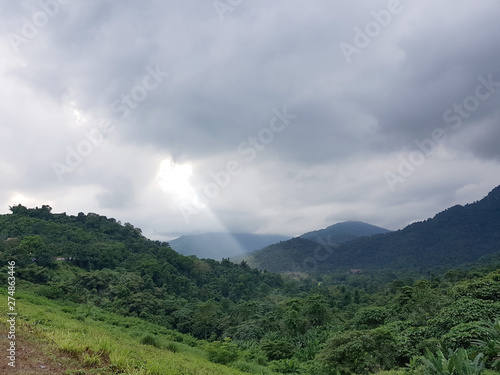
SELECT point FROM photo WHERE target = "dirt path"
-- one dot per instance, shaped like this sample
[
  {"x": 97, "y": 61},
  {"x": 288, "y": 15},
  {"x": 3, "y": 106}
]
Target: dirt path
[{"x": 34, "y": 354}]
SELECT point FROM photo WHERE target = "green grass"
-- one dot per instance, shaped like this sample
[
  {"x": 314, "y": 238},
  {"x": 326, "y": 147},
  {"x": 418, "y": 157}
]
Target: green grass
[{"x": 111, "y": 344}]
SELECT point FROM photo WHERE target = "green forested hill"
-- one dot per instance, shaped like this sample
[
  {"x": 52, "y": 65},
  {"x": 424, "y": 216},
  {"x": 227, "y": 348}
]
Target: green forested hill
[
  {"x": 123, "y": 270},
  {"x": 343, "y": 232},
  {"x": 456, "y": 236},
  {"x": 286, "y": 256},
  {"x": 110, "y": 301}
]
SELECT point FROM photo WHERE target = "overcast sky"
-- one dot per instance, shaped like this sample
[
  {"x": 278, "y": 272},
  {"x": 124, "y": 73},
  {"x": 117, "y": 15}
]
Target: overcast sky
[{"x": 279, "y": 116}]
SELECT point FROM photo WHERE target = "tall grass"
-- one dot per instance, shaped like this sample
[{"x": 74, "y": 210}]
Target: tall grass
[{"x": 97, "y": 339}]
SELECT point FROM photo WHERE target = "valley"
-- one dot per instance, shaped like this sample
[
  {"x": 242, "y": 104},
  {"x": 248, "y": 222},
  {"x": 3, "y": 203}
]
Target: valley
[{"x": 107, "y": 300}]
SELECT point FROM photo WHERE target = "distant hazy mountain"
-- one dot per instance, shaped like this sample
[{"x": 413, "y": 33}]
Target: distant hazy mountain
[
  {"x": 222, "y": 245},
  {"x": 343, "y": 232},
  {"x": 454, "y": 237}
]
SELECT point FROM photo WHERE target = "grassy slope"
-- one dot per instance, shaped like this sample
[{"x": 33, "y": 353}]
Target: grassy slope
[{"x": 86, "y": 340}]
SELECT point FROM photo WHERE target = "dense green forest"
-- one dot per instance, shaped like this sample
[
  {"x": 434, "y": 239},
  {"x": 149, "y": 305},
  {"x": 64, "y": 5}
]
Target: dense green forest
[
  {"x": 453, "y": 237},
  {"x": 391, "y": 321}
]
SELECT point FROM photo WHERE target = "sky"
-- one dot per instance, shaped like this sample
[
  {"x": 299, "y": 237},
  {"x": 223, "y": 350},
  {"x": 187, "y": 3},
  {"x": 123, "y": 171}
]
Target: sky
[{"x": 271, "y": 117}]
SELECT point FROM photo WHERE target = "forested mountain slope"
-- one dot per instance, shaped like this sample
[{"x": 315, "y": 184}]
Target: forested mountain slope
[
  {"x": 343, "y": 232},
  {"x": 456, "y": 236},
  {"x": 151, "y": 279}
]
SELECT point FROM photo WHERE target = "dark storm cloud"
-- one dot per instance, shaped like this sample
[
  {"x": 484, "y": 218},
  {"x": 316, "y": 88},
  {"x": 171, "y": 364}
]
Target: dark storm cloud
[
  {"x": 228, "y": 76},
  {"x": 441, "y": 65},
  {"x": 219, "y": 83}
]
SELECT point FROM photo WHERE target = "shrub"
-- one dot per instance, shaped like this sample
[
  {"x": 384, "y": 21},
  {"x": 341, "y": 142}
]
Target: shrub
[
  {"x": 172, "y": 347},
  {"x": 254, "y": 353},
  {"x": 150, "y": 340},
  {"x": 50, "y": 291},
  {"x": 222, "y": 352}
]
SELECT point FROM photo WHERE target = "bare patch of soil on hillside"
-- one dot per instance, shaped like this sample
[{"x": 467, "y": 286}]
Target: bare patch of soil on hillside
[{"x": 34, "y": 354}]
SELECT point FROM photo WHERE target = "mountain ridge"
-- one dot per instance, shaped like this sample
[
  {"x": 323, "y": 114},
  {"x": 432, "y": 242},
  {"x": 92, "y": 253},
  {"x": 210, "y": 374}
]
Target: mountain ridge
[
  {"x": 455, "y": 236},
  {"x": 343, "y": 232}
]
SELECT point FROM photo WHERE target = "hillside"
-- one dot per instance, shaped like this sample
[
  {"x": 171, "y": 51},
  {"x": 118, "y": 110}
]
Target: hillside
[
  {"x": 62, "y": 338},
  {"x": 322, "y": 333},
  {"x": 286, "y": 256},
  {"x": 66, "y": 338},
  {"x": 343, "y": 232},
  {"x": 126, "y": 272},
  {"x": 94, "y": 296},
  {"x": 456, "y": 236},
  {"x": 222, "y": 245}
]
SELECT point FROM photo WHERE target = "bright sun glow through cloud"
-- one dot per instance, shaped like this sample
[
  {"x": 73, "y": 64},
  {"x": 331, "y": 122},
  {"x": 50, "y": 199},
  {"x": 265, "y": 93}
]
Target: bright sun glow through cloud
[{"x": 174, "y": 180}]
